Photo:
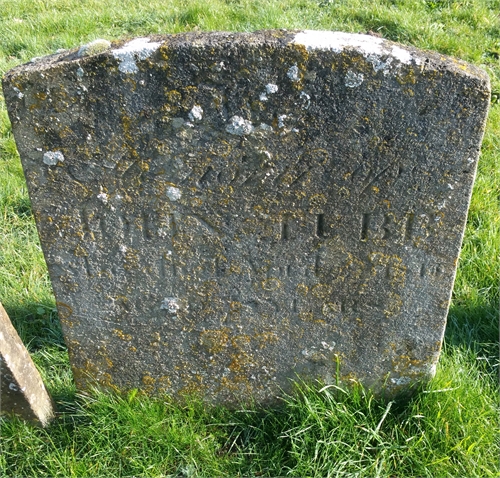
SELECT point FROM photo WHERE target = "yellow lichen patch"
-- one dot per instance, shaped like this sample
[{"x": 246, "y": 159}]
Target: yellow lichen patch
[
  {"x": 331, "y": 309},
  {"x": 321, "y": 291},
  {"x": 240, "y": 341},
  {"x": 302, "y": 289},
  {"x": 64, "y": 310},
  {"x": 266, "y": 338},
  {"x": 131, "y": 259},
  {"x": 395, "y": 270},
  {"x": 120, "y": 334},
  {"x": 393, "y": 305},
  {"x": 317, "y": 201},
  {"x": 235, "y": 309},
  {"x": 156, "y": 340},
  {"x": 193, "y": 385},
  {"x": 271, "y": 284},
  {"x": 164, "y": 383},
  {"x": 149, "y": 383},
  {"x": 407, "y": 77},
  {"x": 92, "y": 373},
  {"x": 214, "y": 341},
  {"x": 404, "y": 363},
  {"x": 306, "y": 316},
  {"x": 148, "y": 380},
  {"x": 80, "y": 251},
  {"x": 240, "y": 364}
]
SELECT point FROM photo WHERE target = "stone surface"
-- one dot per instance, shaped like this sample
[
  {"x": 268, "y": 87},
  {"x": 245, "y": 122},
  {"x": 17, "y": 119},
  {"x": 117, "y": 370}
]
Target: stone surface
[
  {"x": 22, "y": 391},
  {"x": 223, "y": 212}
]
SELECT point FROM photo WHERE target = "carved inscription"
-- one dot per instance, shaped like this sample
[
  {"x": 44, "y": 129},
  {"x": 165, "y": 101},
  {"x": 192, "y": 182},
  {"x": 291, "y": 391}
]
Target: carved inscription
[{"x": 396, "y": 228}]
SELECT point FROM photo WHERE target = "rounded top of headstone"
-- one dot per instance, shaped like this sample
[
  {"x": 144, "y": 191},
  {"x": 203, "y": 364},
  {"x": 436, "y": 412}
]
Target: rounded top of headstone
[{"x": 383, "y": 54}]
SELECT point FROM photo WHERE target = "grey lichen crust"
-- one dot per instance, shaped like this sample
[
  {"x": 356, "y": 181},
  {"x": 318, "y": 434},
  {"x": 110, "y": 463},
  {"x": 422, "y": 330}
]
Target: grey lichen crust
[{"x": 223, "y": 212}]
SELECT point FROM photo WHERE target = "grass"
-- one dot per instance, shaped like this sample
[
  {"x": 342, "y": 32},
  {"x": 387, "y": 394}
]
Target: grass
[{"x": 448, "y": 429}]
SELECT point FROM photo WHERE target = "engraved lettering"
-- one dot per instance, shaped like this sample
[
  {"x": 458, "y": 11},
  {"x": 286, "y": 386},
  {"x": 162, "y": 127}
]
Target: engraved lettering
[
  {"x": 365, "y": 224},
  {"x": 409, "y": 226},
  {"x": 347, "y": 306},
  {"x": 371, "y": 178},
  {"x": 102, "y": 226},
  {"x": 433, "y": 270},
  {"x": 87, "y": 266},
  {"x": 320, "y": 225},
  {"x": 173, "y": 225},
  {"x": 126, "y": 227},
  {"x": 205, "y": 179},
  {"x": 285, "y": 231},
  {"x": 162, "y": 267},
  {"x": 146, "y": 226},
  {"x": 385, "y": 227},
  {"x": 317, "y": 265}
]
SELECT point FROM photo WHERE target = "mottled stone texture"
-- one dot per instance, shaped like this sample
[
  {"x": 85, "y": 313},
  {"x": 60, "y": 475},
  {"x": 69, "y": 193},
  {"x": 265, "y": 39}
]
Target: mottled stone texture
[
  {"x": 223, "y": 212},
  {"x": 22, "y": 391}
]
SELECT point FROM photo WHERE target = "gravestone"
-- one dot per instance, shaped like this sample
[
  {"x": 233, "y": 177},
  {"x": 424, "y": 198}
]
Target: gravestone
[
  {"x": 22, "y": 392},
  {"x": 223, "y": 212}
]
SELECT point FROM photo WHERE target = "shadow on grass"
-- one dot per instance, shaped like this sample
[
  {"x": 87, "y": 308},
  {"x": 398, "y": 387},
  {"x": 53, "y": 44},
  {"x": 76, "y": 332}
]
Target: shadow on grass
[{"x": 475, "y": 328}]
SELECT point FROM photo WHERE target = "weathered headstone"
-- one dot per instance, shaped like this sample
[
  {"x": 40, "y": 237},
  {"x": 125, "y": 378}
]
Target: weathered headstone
[
  {"x": 22, "y": 391},
  {"x": 223, "y": 212}
]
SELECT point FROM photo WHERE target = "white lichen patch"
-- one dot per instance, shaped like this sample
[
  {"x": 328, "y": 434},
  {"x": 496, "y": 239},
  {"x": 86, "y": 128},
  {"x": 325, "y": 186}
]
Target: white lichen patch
[
  {"x": 162, "y": 232},
  {"x": 51, "y": 158},
  {"x": 306, "y": 100},
  {"x": 265, "y": 127},
  {"x": 281, "y": 121},
  {"x": 173, "y": 193},
  {"x": 196, "y": 113},
  {"x": 94, "y": 48},
  {"x": 18, "y": 92},
  {"x": 369, "y": 46},
  {"x": 138, "y": 49},
  {"x": 103, "y": 197},
  {"x": 170, "y": 304},
  {"x": 401, "y": 380},
  {"x": 293, "y": 73},
  {"x": 271, "y": 88},
  {"x": 378, "y": 64},
  {"x": 239, "y": 126},
  {"x": 352, "y": 79},
  {"x": 404, "y": 56},
  {"x": 337, "y": 41}
]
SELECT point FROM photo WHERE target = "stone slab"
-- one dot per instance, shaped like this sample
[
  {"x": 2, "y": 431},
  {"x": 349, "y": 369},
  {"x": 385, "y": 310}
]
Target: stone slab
[
  {"x": 223, "y": 212},
  {"x": 22, "y": 392}
]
